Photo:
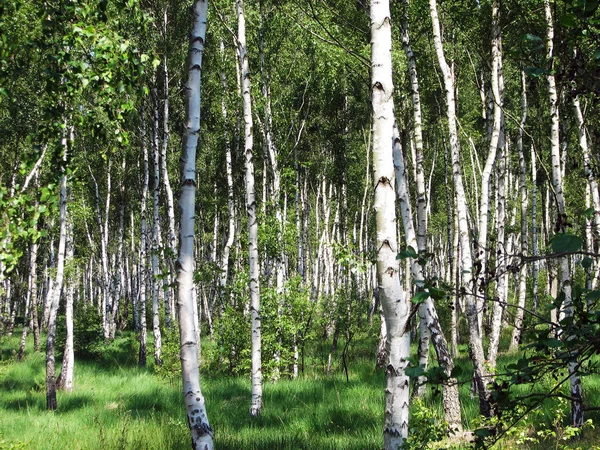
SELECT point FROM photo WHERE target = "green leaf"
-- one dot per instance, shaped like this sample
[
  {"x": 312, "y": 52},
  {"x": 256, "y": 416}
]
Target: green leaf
[
  {"x": 589, "y": 213},
  {"x": 593, "y": 296},
  {"x": 420, "y": 297},
  {"x": 456, "y": 372},
  {"x": 535, "y": 72},
  {"x": 414, "y": 372},
  {"x": 597, "y": 53},
  {"x": 532, "y": 37},
  {"x": 568, "y": 20},
  {"x": 587, "y": 262},
  {"x": 408, "y": 252},
  {"x": 482, "y": 432},
  {"x": 551, "y": 343},
  {"x": 566, "y": 243}
]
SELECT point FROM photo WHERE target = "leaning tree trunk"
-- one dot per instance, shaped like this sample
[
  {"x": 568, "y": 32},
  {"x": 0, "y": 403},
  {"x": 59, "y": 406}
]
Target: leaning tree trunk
[
  {"x": 421, "y": 237},
  {"x": 592, "y": 185},
  {"x": 466, "y": 260},
  {"x": 30, "y": 301},
  {"x": 427, "y": 311},
  {"x": 65, "y": 379},
  {"x": 393, "y": 299},
  {"x": 57, "y": 283},
  {"x": 558, "y": 185},
  {"x": 256, "y": 404},
  {"x": 495, "y": 136},
  {"x": 200, "y": 429}
]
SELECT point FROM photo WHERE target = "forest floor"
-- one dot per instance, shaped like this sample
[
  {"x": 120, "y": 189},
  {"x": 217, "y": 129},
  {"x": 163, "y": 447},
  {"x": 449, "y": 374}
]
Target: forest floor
[{"x": 117, "y": 405}]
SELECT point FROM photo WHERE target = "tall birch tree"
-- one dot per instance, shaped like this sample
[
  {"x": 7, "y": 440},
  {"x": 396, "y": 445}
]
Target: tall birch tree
[
  {"x": 466, "y": 259},
  {"x": 201, "y": 432},
  {"x": 393, "y": 298},
  {"x": 256, "y": 369}
]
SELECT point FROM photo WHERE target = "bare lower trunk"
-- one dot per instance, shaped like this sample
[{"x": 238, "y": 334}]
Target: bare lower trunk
[
  {"x": 466, "y": 262},
  {"x": 57, "y": 284},
  {"x": 201, "y": 432},
  {"x": 516, "y": 335},
  {"x": 558, "y": 185},
  {"x": 256, "y": 403},
  {"x": 393, "y": 299}
]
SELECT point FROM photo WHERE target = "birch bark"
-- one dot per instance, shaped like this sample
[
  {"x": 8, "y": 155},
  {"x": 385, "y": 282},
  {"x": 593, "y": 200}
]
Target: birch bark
[
  {"x": 592, "y": 184},
  {"x": 558, "y": 185},
  {"x": 495, "y": 131},
  {"x": 54, "y": 293},
  {"x": 393, "y": 299},
  {"x": 427, "y": 311},
  {"x": 256, "y": 403},
  {"x": 201, "y": 432},
  {"x": 466, "y": 260},
  {"x": 516, "y": 335}
]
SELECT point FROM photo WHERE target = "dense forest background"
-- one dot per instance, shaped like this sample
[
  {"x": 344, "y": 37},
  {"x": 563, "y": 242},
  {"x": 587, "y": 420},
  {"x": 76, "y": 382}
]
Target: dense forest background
[{"x": 495, "y": 111}]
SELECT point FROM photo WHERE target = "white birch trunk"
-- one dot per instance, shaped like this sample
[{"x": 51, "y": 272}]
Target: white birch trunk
[
  {"x": 516, "y": 335},
  {"x": 393, "y": 299},
  {"x": 558, "y": 185},
  {"x": 143, "y": 270},
  {"x": 466, "y": 261},
  {"x": 427, "y": 312},
  {"x": 201, "y": 432},
  {"x": 65, "y": 379},
  {"x": 592, "y": 184},
  {"x": 228, "y": 169},
  {"x": 495, "y": 132},
  {"x": 54, "y": 293},
  {"x": 156, "y": 272},
  {"x": 256, "y": 403}
]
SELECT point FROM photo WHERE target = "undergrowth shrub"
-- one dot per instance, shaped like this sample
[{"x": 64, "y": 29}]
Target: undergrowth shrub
[
  {"x": 88, "y": 338},
  {"x": 426, "y": 427},
  {"x": 170, "y": 369}
]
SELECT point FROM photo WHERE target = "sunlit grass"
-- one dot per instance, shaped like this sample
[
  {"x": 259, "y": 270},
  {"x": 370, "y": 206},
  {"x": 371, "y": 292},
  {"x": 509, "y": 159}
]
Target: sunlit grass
[{"x": 117, "y": 405}]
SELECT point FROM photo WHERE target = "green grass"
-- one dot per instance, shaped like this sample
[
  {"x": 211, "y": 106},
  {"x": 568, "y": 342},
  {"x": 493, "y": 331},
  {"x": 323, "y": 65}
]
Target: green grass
[{"x": 116, "y": 405}]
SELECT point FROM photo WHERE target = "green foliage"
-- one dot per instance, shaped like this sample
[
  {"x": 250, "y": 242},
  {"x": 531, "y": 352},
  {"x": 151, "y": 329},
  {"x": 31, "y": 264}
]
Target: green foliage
[
  {"x": 527, "y": 428},
  {"x": 170, "y": 369},
  {"x": 426, "y": 427},
  {"x": 88, "y": 336}
]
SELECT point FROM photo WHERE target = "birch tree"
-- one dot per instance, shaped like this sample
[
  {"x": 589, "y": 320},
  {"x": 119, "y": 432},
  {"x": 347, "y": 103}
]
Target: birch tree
[
  {"x": 558, "y": 186},
  {"x": 256, "y": 403},
  {"x": 466, "y": 260},
  {"x": 393, "y": 298},
  {"x": 201, "y": 432}
]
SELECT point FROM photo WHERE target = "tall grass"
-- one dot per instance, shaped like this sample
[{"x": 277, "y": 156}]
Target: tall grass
[{"x": 117, "y": 405}]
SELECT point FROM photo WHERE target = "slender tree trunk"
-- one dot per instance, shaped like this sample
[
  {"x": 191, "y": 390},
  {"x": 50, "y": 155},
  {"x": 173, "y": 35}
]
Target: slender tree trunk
[
  {"x": 57, "y": 284},
  {"x": 592, "y": 184},
  {"x": 393, "y": 299},
  {"x": 156, "y": 270},
  {"x": 31, "y": 299},
  {"x": 65, "y": 379},
  {"x": 201, "y": 432},
  {"x": 466, "y": 262},
  {"x": 230, "y": 199},
  {"x": 256, "y": 404},
  {"x": 427, "y": 311},
  {"x": 171, "y": 251},
  {"x": 143, "y": 270},
  {"x": 516, "y": 335},
  {"x": 558, "y": 185},
  {"x": 495, "y": 137}
]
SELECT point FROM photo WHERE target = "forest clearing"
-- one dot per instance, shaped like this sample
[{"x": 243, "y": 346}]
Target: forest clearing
[{"x": 299, "y": 224}]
